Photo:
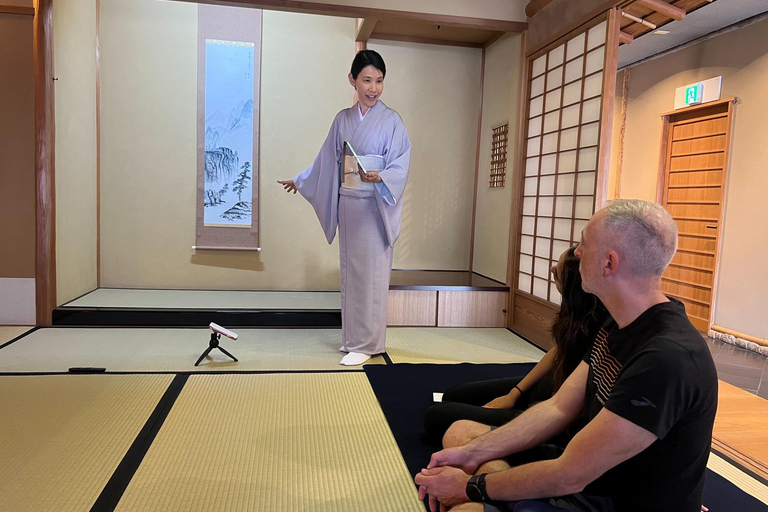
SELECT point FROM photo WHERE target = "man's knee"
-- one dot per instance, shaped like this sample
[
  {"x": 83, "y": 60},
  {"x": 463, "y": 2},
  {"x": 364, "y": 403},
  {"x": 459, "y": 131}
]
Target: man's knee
[{"x": 463, "y": 431}]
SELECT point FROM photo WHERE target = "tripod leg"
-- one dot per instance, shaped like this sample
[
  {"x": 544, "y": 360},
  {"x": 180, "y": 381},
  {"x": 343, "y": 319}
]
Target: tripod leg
[
  {"x": 207, "y": 351},
  {"x": 230, "y": 355}
]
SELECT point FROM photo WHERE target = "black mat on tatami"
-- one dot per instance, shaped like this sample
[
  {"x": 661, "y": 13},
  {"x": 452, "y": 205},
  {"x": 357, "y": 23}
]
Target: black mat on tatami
[{"x": 405, "y": 391}]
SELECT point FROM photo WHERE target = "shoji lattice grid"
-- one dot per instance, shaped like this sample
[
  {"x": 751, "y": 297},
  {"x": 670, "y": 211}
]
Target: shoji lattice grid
[
  {"x": 499, "y": 156},
  {"x": 561, "y": 155}
]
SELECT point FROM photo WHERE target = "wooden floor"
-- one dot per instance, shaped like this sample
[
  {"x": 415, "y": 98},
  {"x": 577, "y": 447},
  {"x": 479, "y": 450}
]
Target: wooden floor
[{"x": 741, "y": 429}]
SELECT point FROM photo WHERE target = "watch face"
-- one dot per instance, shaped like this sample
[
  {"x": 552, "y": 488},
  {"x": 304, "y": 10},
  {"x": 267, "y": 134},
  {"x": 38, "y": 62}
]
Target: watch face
[{"x": 473, "y": 491}]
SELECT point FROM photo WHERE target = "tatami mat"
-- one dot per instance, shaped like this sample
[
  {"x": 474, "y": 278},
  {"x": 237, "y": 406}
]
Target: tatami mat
[
  {"x": 205, "y": 299},
  {"x": 9, "y": 332},
  {"x": 448, "y": 345},
  {"x": 61, "y": 437},
  {"x": 737, "y": 477},
  {"x": 174, "y": 350},
  {"x": 301, "y": 442}
]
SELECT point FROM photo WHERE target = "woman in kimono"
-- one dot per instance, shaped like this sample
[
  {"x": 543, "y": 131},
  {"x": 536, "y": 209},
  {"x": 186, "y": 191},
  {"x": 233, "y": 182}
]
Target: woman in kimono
[{"x": 356, "y": 183}]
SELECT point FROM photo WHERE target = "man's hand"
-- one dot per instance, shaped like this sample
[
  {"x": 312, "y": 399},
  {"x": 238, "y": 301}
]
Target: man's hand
[
  {"x": 457, "y": 457},
  {"x": 446, "y": 486}
]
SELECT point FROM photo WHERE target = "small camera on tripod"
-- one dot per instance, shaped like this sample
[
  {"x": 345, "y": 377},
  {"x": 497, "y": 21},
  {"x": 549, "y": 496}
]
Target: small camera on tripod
[
  {"x": 221, "y": 330},
  {"x": 213, "y": 343}
]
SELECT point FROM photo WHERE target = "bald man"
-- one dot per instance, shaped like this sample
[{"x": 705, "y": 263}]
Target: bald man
[{"x": 647, "y": 389}]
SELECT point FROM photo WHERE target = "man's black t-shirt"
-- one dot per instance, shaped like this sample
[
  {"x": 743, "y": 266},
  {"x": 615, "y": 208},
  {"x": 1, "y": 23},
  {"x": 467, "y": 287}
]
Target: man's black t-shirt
[{"x": 658, "y": 373}]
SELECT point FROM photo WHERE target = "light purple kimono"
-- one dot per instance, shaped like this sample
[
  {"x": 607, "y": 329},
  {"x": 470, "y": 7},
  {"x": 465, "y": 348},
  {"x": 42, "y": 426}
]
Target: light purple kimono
[{"x": 368, "y": 219}]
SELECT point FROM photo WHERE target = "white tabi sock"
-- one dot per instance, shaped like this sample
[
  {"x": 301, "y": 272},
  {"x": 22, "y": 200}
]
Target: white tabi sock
[{"x": 354, "y": 359}]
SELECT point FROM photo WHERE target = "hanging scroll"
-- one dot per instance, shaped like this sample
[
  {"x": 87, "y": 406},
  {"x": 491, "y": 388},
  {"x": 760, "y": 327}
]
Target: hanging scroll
[{"x": 229, "y": 54}]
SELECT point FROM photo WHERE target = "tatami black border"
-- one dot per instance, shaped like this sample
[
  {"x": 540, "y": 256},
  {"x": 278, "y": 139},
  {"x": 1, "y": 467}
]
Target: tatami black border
[
  {"x": 114, "y": 317},
  {"x": 740, "y": 467},
  {"x": 201, "y": 328},
  {"x": 387, "y": 359},
  {"x": 17, "y": 338},
  {"x": 112, "y": 493},
  {"x": 189, "y": 373}
]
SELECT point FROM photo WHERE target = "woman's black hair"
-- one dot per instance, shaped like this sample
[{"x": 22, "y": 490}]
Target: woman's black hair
[
  {"x": 581, "y": 315},
  {"x": 365, "y": 58}
]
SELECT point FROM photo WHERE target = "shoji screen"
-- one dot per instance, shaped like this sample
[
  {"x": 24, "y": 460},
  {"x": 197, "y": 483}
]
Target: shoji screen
[{"x": 562, "y": 165}]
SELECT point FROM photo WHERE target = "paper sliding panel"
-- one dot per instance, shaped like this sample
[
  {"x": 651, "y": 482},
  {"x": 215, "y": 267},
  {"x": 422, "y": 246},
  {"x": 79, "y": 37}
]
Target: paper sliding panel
[
  {"x": 563, "y": 229},
  {"x": 576, "y": 46},
  {"x": 562, "y": 150},
  {"x": 540, "y": 287},
  {"x": 544, "y": 227},
  {"x": 597, "y": 35},
  {"x": 541, "y": 268},
  {"x": 556, "y": 57},
  {"x": 574, "y": 69},
  {"x": 524, "y": 282},
  {"x": 559, "y": 247}
]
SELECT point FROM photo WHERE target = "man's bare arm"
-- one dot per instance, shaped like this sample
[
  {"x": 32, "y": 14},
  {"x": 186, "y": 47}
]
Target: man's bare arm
[
  {"x": 604, "y": 443},
  {"x": 535, "y": 426}
]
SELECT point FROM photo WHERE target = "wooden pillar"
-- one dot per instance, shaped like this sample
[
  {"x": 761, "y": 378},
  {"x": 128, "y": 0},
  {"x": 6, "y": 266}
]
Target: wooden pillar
[{"x": 45, "y": 135}]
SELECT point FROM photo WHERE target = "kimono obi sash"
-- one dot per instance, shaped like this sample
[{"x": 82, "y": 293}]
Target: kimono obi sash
[{"x": 351, "y": 179}]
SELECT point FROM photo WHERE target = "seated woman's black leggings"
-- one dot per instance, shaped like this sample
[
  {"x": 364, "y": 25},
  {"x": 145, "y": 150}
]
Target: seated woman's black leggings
[{"x": 466, "y": 401}]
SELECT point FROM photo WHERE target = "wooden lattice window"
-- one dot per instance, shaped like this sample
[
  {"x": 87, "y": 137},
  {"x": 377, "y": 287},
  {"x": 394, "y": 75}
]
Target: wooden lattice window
[{"x": 499, "y": 156}]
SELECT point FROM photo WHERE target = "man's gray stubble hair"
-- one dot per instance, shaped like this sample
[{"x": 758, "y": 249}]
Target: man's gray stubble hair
[{"x": 645, "y": 232}]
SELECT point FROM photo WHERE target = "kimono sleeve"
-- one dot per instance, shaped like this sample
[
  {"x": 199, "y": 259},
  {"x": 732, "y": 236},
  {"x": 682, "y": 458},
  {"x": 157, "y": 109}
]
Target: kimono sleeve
[
  {"x": 330, "y": 153},
  {"x": 319, "y": 184},
  {"x": 397, "y": 163}
]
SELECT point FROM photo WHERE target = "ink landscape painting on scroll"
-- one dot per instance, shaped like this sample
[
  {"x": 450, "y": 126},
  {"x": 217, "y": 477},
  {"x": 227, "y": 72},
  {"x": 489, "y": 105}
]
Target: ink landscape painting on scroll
[{"x": 229, "y": 133}]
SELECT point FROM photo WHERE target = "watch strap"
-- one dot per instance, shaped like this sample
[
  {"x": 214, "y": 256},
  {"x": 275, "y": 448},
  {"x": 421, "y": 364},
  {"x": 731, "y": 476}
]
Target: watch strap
[{"x": 481, "y": 485}]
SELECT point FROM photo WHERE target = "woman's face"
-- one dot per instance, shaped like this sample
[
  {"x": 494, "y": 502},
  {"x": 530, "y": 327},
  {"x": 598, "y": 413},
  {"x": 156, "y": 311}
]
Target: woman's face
[
  {"x": 557, "y": 271},
  {"x": 369, "y": 86}
]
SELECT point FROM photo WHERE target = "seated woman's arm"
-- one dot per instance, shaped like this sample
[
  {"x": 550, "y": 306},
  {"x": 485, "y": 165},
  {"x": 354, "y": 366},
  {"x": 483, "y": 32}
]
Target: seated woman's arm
[{"x": 537, "y": 373}]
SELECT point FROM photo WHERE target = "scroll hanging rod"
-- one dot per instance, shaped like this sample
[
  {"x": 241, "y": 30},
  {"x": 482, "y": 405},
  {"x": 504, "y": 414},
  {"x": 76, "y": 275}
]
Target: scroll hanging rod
[{"x": 211, "y": 248}]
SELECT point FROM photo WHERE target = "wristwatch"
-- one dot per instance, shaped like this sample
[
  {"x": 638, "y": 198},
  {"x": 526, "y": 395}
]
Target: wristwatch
[{"x": 476, "y": 488}]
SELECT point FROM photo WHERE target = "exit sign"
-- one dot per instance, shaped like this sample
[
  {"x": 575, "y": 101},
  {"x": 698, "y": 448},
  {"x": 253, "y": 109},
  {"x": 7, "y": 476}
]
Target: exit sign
[
  {"x": 694, "y": 93},
  {"x": 698, "y": 93}
]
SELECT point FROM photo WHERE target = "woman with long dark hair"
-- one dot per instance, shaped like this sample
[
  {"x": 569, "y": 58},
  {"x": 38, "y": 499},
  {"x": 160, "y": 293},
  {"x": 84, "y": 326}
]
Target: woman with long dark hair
[
  {"x": 356, "y": 184},
  {"x": 495, "y": 402}
]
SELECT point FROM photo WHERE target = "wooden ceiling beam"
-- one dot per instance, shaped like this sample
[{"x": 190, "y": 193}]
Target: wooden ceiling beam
[
  {"x": 365, "y": 28},
  {"x": 625, "y": 38},
  {"x": 353, "y": 11},
  {"x": 13, "y": 9},
  {"x": 535, "y": 6},
  {"x": 403, "y": 38},
  {"x": 668, "y": 10}
]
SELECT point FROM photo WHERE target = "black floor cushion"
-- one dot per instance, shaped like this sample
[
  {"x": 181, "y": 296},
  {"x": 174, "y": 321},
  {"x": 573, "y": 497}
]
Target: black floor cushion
[{"x": 405, "y": 391}]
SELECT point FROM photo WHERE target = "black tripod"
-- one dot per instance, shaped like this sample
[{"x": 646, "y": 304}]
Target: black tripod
[{"x": 212, "y": 344}]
